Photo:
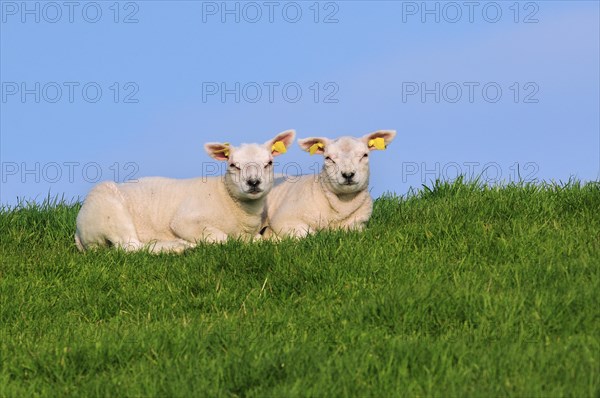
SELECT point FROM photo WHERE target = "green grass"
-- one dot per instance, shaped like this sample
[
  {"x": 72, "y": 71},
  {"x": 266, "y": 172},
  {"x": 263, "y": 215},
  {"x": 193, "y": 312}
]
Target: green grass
[{"x": 459, "y": 290}]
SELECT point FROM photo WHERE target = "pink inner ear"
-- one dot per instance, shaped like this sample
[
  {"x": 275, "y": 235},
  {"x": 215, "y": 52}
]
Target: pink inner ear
[
  {"x": 218, "y": 152},
  {"x": 285, "y": 138},
  {"x": 220, "y": 156},
  {"x": 386, "y": 135},
  {"x": 306, "y": 145}
]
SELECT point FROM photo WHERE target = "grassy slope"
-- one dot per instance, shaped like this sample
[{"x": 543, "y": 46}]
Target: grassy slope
[{"x": 457, "y": 291}]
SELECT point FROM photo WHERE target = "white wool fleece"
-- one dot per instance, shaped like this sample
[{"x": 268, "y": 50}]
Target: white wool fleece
[
  {"x": 338, "y": 198},
  {"x": 171, "y": 215}
]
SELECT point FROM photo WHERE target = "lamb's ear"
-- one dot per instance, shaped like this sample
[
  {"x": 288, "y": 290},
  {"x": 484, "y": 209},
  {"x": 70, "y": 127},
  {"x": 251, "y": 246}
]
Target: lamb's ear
[
  {"x": 218, "y": 150},
  {"x": 314, "y": 145},
  {"x": 281, "y": 142},
  {"x": 379, "y": 139}
]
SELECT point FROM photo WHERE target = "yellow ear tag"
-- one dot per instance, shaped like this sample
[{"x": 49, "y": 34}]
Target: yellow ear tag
[
  {"x": 279, "y": 146},
  {"x": 377, "y": 143},
  {"x": 315, "y": 147}
]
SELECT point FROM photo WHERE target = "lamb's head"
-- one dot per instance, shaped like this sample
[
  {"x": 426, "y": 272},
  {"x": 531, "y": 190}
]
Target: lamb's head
[
  {"x": 346, "y": 167},
  {"x": 249, "y": 173}
]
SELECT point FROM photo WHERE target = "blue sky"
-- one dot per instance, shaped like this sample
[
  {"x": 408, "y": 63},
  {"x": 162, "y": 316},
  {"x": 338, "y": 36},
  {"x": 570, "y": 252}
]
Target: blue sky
[{"x": 360, "y": 65}]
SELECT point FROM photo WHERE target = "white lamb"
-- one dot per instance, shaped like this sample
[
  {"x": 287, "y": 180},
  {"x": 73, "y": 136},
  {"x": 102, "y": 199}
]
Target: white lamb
[
  {"x": 338, "y": 198},
  {"x": 171, "y": 215}
]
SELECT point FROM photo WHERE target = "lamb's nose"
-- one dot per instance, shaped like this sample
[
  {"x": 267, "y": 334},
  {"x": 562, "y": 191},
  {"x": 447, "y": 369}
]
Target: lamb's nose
[
  {"x": 253, "y": 182},
  {"x": 348, "y": 176}
]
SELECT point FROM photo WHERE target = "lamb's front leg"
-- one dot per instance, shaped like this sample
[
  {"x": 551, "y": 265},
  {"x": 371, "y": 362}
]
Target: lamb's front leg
[
  {"x": 170, "y": 246},
  {"x": 288, "y": 230},
  {"x": 192, "y": 231},
  {"x": 355, "y": 225},
  {"x": 213, "y": 235},
  {"x": 195, "y": 228},
  {"x": 359, "y": 220}
]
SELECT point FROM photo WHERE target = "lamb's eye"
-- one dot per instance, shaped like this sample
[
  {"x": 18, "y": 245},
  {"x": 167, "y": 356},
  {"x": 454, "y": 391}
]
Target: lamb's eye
[
  {"x": 366, "y": 155},
  {"x": 269, "y": 164},
  {"x": 233, "y": 166},
  {"x": 327, "y": 158}
]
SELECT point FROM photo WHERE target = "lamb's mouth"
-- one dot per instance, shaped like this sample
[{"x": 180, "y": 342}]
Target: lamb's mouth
[
  {"x": 349, "y": 183},
  {"x": 254, "y": 191}
]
